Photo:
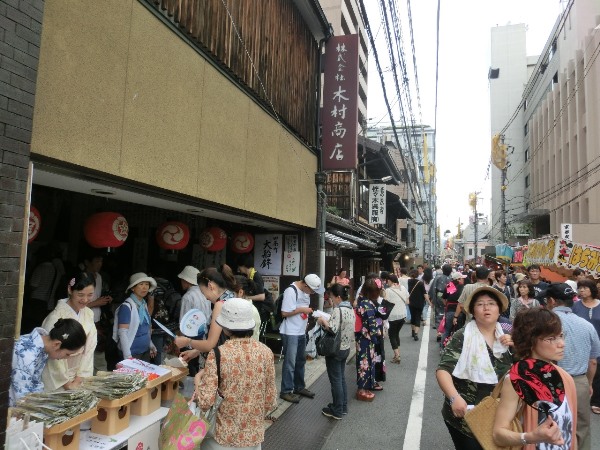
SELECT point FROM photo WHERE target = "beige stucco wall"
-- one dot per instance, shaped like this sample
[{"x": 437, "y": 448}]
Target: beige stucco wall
[{"x": 119, "y": 92}]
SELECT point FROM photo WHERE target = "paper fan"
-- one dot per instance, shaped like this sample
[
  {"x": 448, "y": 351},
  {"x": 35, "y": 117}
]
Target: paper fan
[{"x": 193, "y": 323}]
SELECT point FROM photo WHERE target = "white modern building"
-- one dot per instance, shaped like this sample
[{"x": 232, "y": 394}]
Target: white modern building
[{"x": 554, "y": 127}]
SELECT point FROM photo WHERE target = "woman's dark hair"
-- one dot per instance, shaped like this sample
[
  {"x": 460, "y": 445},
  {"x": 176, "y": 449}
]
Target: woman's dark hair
[
  {"x": 242, "y": 333},
  {"x": 393, "y": 278},
  {"x": 222, "y": 277},
  {"x": 339, "y": 290},
  {"x": 370, "y": 290},
  {"x": 529, "y": 284},
  {"x": 498, "y": 274},
  {"x": 589, "y": 284},
  {"x": 531, "y": 324},
  {"x": 246, "y": 284},
  {"x": 447, "y": 269},
  {"x": 340, "y": 271},
  {"x": 81, "y": 280},
  {"x": 427, "y": 275},
  {"x": 493, "y": 295},
  {"x": 246, "y": 261},
  {"x": 372, "y": 276},
  {"x": 414, "y": 273},
  {"x": 70, "y": 333}
]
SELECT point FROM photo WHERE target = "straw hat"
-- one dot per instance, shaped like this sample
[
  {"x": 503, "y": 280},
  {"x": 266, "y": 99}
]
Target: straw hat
[{"x": 493, "y": 293}]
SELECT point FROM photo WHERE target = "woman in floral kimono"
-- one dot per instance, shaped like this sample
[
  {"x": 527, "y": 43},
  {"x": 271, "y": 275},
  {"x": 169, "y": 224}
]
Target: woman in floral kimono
[
  {"x": 367, "y": 337},
  {"x": 32, "y": 351}
]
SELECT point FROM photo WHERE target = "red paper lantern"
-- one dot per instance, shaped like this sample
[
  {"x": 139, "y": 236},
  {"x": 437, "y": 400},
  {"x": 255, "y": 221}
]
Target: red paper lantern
[
  {"x": 213, "y": 239},
  {"x": 35, "y": 223},
  {"x": 106, "y": 230},
  {"x": 242, "y": 242},
  {"x": 173, "y": 235}
]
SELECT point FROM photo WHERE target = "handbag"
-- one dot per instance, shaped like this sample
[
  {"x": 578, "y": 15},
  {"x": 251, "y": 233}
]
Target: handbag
[
  {"x": 481, "y": 420},
  {"x": 328, "y": 343},
  {"x": 211, "y": 414}
]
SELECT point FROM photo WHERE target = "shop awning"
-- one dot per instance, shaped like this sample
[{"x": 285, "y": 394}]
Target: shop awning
[{"x": 364, "y": 242}]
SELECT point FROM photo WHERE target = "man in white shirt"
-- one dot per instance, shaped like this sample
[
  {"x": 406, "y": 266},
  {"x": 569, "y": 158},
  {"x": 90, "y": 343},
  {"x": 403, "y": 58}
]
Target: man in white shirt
[
  {"x": 193, "y": 297},
  {"x": 295, "y": 310}
]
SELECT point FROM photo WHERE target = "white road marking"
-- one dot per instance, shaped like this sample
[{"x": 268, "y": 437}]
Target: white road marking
[{"x": 412, "y": 435}]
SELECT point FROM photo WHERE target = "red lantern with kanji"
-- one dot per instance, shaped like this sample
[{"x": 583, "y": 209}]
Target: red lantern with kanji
[
  {"x": 242, "y": 242},
  {"x": 213, "y": 239},
  {"x": 106, "y": 230},
  {"x": 35, "y": 223},
  {"x": 173, "y": 235}
]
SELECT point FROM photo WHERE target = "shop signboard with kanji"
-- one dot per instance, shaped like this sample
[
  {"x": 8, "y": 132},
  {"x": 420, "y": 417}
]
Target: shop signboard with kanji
[
  {"x": 268, "y": 253},
  {"x": 377, "y": 193},
  {"x": 573, "y": 255},
  {"x": 340, "y": 103}
]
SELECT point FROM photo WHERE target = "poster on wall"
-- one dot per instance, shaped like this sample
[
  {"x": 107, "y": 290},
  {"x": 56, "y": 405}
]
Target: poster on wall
[
  {"x": 268, "y": 253},
  {"x": 272, "y": 285},
  {"x": 291, "y": 243},
  {"x": 291, "y": 263}
]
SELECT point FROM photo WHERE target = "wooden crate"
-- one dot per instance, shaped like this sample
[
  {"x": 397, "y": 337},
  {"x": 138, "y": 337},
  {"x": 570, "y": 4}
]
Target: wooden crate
[
  {"x": 113, "y": 415},
  {"x": 171, "y": 387},
  {"x": 150, "y": 401},
  {"x": 65, "y": 436}
]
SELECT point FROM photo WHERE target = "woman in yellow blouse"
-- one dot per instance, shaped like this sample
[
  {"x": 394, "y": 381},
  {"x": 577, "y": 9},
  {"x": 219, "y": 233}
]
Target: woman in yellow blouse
[{"x": 67, "y": 373}]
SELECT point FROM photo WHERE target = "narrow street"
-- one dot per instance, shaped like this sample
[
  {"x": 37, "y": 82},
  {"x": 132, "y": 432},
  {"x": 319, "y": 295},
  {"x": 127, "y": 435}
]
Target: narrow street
[{"x": 405, "y": 415}]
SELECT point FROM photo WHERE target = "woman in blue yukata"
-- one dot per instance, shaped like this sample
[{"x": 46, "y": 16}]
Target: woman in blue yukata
[{"x": 32, "y": 351}]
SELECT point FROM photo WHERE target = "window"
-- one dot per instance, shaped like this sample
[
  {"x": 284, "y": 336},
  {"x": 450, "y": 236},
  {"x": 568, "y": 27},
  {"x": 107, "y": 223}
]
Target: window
[
  {"x": 470, "y": 252},
  {"x": 526, "y": 129},
  {"x": 526, "y": 181},
  {"x": 527, "y": 154}
]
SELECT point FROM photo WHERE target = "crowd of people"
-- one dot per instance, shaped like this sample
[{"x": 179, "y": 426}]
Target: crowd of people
[{"x": 495, "y": 328}]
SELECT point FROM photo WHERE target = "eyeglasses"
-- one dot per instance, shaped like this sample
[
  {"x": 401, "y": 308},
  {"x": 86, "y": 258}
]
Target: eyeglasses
[
  {"x": 555, "y": 339},
  {"x": 486, "y": 305}
]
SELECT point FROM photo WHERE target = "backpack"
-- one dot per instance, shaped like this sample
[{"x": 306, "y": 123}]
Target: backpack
[
  {"x": 167, "y": 304},
  {"x": 278, "y": 316}
]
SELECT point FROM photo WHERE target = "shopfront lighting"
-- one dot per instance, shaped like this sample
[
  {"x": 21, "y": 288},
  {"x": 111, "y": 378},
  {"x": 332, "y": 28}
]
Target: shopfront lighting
[{"x": 385, "y": 179}]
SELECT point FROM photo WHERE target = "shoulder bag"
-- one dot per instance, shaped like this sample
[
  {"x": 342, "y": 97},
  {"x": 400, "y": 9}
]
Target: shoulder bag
[
  {"x": 481, "y": 420},
  {"x": 328, "y": 343},
  {"x": 211, "y": 415}
]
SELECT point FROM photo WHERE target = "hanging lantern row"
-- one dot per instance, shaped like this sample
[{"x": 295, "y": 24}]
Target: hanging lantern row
[
  {"x": 173, "y": 236},
  {"x": 213, "y": 239},
  {"x": 106, "y": 230},
  {"x": 35, "y": 223},
  {"x": 242, "y": 242}
]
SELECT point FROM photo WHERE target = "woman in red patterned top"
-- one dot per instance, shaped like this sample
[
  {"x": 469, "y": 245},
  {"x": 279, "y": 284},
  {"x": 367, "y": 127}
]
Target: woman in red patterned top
[{"x": 246, "y": 381}]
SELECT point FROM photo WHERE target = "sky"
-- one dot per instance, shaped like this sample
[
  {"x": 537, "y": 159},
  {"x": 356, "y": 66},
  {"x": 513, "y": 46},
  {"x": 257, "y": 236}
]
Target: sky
[{"x": 463, "y": 113}]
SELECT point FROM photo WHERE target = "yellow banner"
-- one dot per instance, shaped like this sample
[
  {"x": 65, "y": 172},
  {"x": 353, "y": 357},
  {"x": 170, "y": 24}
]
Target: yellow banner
[{"x": 541, "y": 251}]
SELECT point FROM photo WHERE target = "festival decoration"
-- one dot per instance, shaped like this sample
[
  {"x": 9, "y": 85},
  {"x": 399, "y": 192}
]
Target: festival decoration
[
  {"x": 242, "y": 242},
  {"x": 35, "y": 224},
  {"x": 106, "y": 230},
  {"x": 173, "y": 235},
  {"x": 213, "y": 239}
]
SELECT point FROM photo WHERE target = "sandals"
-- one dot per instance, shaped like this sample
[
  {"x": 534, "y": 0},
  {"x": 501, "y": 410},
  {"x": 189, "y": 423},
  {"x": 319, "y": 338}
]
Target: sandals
[
  {"x": 396, "y": 360},
  {"x": 364, "y": 396},
  {"x": 376, "y": 387},
  {"x": 596, "y": 409}
]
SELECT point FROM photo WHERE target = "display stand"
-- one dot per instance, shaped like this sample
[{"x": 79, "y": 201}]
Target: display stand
[
  {"x": 150, "y": 400},
  {"x": 138, "y": 426},
  {"x": 66, "y": 435},
  {"x": 113, "y": 415},
  {"x": 171, "y": 387}
]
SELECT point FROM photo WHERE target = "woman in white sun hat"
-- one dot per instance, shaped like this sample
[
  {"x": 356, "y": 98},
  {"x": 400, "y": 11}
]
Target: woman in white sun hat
[
  {"x": 246, "y": 380},
  {"x": 193, "y": 297},
  {"x": 133, "y": 327}
]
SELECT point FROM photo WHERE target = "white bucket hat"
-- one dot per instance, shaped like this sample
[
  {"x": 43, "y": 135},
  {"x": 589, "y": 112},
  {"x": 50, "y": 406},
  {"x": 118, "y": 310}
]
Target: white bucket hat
[
  {"x": 236, "y": 315},
  {"x": 314, "y": 282},
  {"x": 189, "y": 274},
  {"x": 140, "y": 277}
]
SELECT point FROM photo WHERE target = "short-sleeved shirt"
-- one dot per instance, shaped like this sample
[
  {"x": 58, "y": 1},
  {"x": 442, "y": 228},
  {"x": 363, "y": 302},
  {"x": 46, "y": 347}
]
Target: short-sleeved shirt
[
  {"x": 294, "y": 325},
  {"x": 581, "y": 342},
  {"x": 29, "y": 359}
]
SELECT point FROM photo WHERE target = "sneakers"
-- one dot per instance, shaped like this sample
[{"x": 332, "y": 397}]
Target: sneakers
[
  {"x": 305, "y": 393},
  {"x": 330, "y": 406},
  {"x": 327, "y": 412},
  {"x": 290, "y": 397}
]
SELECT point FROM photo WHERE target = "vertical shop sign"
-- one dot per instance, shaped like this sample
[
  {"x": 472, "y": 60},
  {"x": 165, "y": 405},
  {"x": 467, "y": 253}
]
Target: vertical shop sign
[
  {"x": 268, "y": 253},
  {"x": 377, "y": 211},
  {"x": 340, "y": 103},
  {"x": 291, "y": 243},
  {"x": 566, "y": 231},
  {"x": 291, "y": 255}
]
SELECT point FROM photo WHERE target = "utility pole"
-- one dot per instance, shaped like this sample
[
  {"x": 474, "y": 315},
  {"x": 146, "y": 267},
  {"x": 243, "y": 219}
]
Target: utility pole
[
  {"x": 503, "y": 205},
  {"x": 473, "y": 204}
]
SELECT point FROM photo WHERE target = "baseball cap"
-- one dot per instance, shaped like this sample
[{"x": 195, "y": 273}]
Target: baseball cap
[
  {"x": 457, "y": 276},
  {"x": 560, "y": 291},
  {"x": 314, "y": 282}
]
